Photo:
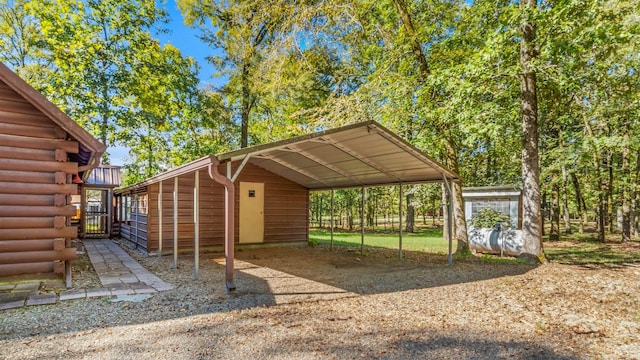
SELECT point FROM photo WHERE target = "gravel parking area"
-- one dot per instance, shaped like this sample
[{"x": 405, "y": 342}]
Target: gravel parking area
[{"x": 300, "y": 303}]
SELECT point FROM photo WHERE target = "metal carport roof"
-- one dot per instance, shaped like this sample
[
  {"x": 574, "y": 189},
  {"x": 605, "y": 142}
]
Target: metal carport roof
[{"x": 363, "y": 154}]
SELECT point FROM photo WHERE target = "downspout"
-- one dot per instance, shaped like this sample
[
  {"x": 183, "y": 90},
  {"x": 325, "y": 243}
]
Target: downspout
[{"x": 229, "y": 215}]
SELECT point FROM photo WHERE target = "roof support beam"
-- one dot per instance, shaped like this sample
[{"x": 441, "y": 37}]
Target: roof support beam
[
  {"x": 239, "y": 169},
  {"x": 363, "y": 159},
  {"x": 325, "y": 164},
  {"x": 294, "y": 168}
]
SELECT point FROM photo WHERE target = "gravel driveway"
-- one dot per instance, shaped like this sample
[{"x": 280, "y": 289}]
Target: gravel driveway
[{"x": 310, "y": 303}]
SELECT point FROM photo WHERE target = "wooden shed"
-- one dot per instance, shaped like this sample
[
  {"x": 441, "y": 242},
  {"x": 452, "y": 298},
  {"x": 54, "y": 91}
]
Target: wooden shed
[
  {"x": 260, "y": 194},
  {"x": 41, "y": 151},
  {"x": 279, "y": 215}
]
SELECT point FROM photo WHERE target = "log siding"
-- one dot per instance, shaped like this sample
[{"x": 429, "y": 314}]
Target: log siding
[{"x": 36, "y": 140}]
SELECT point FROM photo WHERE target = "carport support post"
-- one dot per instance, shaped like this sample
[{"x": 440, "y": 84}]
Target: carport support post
[
  {"x": 450, "y": 216},
  {"x": 362, "y": 221},
  {"x": 400, "y": 224},
  {"x": 175, "y": 222},
  {"x": 160, "y": 220},
  {"x": 196, "y": 226},
  {"x": 229, "y": 216},
  {"x": 331, "y": 243}
]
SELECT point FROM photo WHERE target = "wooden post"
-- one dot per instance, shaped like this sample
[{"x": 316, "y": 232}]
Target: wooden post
[
  {"x": 137, "y": 207},
  {"x": 175, "y": 222},
  {"x": 110, "y": 209},
  {"x": 160, "y": 220},
  {"x": 331, "y": 243},
  {"x": 400, "y": 224},
  {"x": 362, "y": 221},
  {"x": 196, "y": 226}
]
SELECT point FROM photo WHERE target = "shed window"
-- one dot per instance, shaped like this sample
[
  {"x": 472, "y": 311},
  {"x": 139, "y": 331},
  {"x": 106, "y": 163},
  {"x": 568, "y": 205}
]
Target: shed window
[{"x": 501, "y": 205}]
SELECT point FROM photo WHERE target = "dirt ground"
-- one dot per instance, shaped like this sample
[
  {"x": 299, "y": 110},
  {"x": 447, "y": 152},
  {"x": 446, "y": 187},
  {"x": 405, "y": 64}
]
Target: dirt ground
[{"x": 312, "y": 303}]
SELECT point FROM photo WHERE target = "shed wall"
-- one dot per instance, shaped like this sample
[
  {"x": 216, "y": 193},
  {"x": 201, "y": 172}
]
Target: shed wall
[
  {"x": 35, "y": 189},
  {"x": 285, "y": 211}
]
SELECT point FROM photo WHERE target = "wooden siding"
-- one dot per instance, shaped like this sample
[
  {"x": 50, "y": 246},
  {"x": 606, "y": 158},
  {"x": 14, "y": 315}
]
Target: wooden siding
[
  {"x": 34, "y": 187},
  {"x": 285, "y": 211}
]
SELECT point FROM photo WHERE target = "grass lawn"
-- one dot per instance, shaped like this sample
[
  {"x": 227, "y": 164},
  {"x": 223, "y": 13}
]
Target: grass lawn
[{"x": 429, "y": 240}]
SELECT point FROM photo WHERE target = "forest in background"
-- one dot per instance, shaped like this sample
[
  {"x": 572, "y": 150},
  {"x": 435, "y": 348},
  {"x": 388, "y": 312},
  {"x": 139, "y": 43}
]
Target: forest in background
[{"x": 450, "y": 77}]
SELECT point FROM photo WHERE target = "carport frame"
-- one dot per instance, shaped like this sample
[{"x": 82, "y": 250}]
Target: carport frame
[{"x": 420, "y": 169}]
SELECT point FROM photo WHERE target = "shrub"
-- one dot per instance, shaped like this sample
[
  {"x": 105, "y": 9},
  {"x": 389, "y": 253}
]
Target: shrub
[{"x": 488, "y": 218}]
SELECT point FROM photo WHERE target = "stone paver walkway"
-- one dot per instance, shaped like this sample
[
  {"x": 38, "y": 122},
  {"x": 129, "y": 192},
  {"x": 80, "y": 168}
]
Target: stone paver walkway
[
  {"x": 117, "y": 270},
  {"x": 119, "y": 274}
]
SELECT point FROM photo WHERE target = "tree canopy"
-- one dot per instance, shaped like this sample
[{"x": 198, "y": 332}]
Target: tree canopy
[{"x": 493, "y": 89}]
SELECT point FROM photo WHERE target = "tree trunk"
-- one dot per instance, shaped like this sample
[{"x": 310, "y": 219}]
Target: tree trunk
[
  {"x": 636, "y": 194},
  {"x": 626, "y": 192},
  {"x": 459, "y": 221},
  {"x": 445, "y": 214},
  {"x": 565, "y": 202},
  {"x": 602, "y": 215},
  {"x": 543, "y": 213},
  {"x": 554, "y": 233},
  {"x": 579, "y": 203},
  {"x": 611, "y": 204},
  {"x": 415, "y": 43},
  {"x": 245, "y": 106},
  {"x": 410, "y": 220},
  {"x": 531, "y": 221}
]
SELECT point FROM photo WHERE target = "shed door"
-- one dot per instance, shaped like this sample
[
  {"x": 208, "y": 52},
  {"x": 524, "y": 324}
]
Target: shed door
[{"x": 251, "y": 212}]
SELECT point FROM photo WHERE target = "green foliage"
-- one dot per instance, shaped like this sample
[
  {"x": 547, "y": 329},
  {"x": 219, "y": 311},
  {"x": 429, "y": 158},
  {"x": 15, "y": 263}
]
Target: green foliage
[
  {"x": 488, "y": 218},
  {"x": 299, "y": 66}
]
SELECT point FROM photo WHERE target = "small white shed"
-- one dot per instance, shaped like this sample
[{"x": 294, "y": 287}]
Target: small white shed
[{"x": 506, "y": 199}]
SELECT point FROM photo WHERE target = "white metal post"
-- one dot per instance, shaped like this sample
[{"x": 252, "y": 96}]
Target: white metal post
[
  {"x": 362, "y": 222},
  {"x": 400, "y": 224},
  {"x": 331, "y": 243}
]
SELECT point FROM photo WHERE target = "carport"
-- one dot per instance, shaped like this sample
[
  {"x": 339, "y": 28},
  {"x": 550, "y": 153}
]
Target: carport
[{"x": 354, "y": 156}]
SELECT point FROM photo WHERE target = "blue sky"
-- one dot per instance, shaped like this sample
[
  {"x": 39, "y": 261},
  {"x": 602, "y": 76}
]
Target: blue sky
[{"x": 185, "y": 39}]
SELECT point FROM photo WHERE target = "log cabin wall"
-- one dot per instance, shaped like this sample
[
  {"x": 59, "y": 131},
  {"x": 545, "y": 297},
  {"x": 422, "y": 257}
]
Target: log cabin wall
[
  {"x": 35, "y": 189},
  {"x": 285, "y": 211}
]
